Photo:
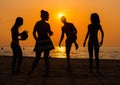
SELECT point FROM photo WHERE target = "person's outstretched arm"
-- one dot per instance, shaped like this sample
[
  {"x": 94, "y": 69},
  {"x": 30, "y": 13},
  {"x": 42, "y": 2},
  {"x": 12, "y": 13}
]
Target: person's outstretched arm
[{"x": 62, "y": 36}]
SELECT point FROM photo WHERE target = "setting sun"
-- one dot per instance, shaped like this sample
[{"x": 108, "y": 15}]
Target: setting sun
[
  {"x": 60, "y": 15},
  {"x": 77, "y": 12}
]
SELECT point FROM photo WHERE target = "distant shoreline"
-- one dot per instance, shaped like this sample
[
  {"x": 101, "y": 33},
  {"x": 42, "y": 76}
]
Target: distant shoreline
[{"x": 112, "y": 53}]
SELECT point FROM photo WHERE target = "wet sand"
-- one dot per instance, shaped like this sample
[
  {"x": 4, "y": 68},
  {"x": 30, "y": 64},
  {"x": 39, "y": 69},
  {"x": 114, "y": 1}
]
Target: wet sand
[{"x": 59, "y": 74}]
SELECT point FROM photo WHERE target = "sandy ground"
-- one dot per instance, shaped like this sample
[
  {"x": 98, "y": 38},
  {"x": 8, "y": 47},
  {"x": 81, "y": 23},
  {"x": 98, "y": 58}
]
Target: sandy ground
[{"x": 59, "y": 74}]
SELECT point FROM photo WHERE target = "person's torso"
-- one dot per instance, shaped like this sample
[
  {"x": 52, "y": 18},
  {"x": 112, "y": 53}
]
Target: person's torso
[
  {"x": 15, "y": 34},
  {"x": 69, "y": 30},
  {"x": 93, "y": 31},
  {"x": 42, "y": 29}
]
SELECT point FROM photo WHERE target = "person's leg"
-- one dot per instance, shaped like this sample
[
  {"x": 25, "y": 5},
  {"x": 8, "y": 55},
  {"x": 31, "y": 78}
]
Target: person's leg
[
  {"x": 90, "y": 50},
  {"x": 46, "y": 59},
  {"x": 97, "y": 58},
  {"x": 74, "y": 40},
  {"x": 14, "y": 61},
  {"x": 20, "y": 57},
  {"x": 68, "y": 48},
  {"x": 36, "y": 60}
]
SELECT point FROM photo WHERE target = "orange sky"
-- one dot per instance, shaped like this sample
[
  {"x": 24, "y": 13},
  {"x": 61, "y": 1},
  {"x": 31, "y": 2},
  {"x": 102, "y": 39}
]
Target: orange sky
[{"x": 76, "y": 11}]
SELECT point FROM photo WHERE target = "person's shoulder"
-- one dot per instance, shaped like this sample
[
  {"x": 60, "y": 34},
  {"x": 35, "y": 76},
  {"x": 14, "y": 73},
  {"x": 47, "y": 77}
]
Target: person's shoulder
[
  {"x": 99, "y": 25},
  {"x": 41, "y": 22},
  {"x": 89, "y": 25},
  {"x": 47, "y": 23},
  {"x": 63, "y": 27},
  {"x": 38, "y": 22},
  {"x": 14, "y": 28},
  {"x": 70, "y": 23}
]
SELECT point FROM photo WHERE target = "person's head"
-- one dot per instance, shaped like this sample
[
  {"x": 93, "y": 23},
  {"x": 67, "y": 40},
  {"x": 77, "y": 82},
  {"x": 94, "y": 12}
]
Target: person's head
[
  {"x": 19, "y": 21},
  {"x": 63, "y": 19},
  {"x": 95, "y": 18},
  {"x": 44, "y": 15}
]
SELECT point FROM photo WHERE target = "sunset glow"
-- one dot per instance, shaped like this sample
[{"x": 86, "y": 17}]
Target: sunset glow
[
  {"x": 61, "y": 48},
  {"x": 60, "y": 15},
  {"x": 76, "y": 11}
]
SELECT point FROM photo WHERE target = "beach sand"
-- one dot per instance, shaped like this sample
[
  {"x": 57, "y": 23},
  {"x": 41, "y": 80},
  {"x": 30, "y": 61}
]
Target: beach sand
[{"x": 59, "y": 74}]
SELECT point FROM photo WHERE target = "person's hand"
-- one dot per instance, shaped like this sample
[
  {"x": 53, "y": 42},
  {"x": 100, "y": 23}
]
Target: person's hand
[
  {"x": 50, "y": 33},
  {"x": 59, "y": 45},
  {"x": 84, "y": 44},
  {"x": 100, "y": 44}
]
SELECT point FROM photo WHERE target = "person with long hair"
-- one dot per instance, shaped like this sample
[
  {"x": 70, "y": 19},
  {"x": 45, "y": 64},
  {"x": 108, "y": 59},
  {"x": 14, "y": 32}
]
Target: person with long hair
[
  {"x": 42, "y": 33},
  {"x": 94, "y": 44},
  {"x": 16, "y": 49}
]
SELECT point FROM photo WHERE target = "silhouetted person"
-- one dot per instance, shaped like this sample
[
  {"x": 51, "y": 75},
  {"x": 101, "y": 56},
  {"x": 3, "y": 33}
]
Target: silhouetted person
[
  {"x": 42, "y": 33},
  {"x": 71, "y": 34},
  {"x": 1, "y": 48},
  {"x": 93, "y": 43},
  {"x": 16, "y": 49}
]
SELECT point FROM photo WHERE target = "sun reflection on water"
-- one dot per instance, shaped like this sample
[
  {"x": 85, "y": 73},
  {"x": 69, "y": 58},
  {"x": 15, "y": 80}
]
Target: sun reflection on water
[
  {"x": 60, "y": 48},
  {"x": 59, "y": 52}
]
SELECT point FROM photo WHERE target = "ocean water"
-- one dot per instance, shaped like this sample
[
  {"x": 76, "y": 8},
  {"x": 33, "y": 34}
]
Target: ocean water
[{"x": 59, "y": 52}]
